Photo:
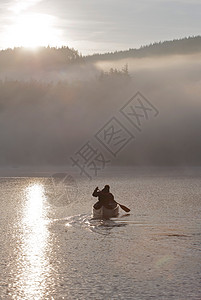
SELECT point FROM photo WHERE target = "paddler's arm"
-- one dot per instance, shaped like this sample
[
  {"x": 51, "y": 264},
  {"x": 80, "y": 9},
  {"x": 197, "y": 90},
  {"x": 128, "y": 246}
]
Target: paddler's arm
[{"x": 95, "y": 193}]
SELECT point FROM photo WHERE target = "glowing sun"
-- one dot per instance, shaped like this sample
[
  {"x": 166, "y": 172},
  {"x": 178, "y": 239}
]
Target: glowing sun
[{"x": 32, "y": 31}]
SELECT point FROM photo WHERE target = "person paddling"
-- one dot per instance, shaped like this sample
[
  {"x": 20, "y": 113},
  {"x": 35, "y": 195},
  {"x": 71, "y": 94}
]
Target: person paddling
[{"x": 105, "y": 198}]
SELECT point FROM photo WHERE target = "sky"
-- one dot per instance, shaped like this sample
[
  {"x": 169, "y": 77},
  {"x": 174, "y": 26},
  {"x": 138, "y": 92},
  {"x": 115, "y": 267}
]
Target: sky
[{"x": 92, "y": 26}]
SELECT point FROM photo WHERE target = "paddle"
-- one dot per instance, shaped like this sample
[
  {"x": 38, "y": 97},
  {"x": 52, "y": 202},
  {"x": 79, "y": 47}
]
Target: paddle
[{"x": 126, "y": 209}]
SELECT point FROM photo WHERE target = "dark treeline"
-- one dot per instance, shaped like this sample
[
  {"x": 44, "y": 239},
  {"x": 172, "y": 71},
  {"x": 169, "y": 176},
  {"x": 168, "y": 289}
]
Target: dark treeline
[
  {"x": 47, "y": 58},
  {"x": 184, "y": 46},
  {"x": 114, "y": 73},
  {"x": 44, "y": 57}
]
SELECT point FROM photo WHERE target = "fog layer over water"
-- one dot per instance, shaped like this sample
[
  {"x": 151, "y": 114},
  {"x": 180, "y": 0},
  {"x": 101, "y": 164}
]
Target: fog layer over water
[{"x": 46, "y": 122}]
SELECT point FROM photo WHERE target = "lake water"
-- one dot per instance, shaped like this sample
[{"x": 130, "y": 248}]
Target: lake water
[{"x": 51, "y": 248}]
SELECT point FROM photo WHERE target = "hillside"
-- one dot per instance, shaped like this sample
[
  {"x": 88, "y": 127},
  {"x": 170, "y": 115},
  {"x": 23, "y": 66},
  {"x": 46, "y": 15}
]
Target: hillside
[{"x": 183, "y": 46}]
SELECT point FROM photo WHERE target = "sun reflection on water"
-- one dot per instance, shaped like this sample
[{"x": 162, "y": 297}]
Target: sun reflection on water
[{"x": 35, "y": 267}]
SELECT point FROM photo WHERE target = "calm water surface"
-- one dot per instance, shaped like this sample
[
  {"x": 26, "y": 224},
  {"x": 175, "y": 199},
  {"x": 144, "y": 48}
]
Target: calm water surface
[{"x": 51, "y": 248}]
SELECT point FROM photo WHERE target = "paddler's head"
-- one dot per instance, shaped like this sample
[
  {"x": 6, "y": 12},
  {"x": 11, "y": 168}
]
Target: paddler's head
[{"x": 106, "y": 189}]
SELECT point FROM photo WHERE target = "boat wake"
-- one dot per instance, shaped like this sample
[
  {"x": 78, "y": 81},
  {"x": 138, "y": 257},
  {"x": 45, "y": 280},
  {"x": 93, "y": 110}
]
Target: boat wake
[{"x": 86, "y": 222}]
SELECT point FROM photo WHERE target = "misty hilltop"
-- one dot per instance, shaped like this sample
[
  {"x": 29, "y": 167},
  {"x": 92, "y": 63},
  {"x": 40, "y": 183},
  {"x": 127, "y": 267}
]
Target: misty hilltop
[
  {"x": 183, "y": 46},
  {"x": 43, "y": 57}
]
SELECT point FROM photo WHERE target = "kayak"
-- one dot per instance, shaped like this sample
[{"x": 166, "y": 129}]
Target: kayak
[{"x": 105, "y": 213}]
